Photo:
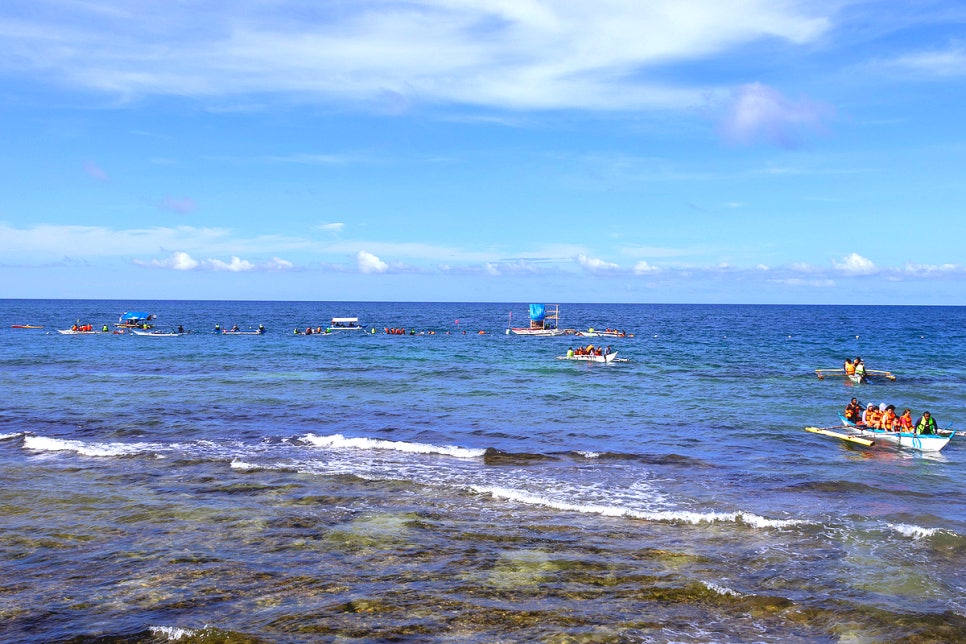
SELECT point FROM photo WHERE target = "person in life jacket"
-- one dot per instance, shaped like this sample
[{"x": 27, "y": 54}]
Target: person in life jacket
[
  {"x": 888, "y": 419},
  {"x": 904, "y": 422},
  {"x": 926, "y": 424},
  {"x": 849, "y": 367},
  {"x": 873, "y": 416},
  {"x": 853, "y": 411}
]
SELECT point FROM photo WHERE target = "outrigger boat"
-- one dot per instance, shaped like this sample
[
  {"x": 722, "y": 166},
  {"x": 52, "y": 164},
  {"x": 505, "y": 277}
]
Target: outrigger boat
[
  {"x": 544, "y": 321},
  {"x": 911, "y": 440},
  {"x": 610, "y": 357},
  {"x": 26, "y": 326},
  {"x": 854, "y": 377},
  {"x": 157, "y": 334},
  {"x": 77, "y": 332},
  {"x": 346, "y": 324},
  {"x": 134, "y": 320},
  {"x": 607, "y": 333},
  {"x": 236, "y": 331}
]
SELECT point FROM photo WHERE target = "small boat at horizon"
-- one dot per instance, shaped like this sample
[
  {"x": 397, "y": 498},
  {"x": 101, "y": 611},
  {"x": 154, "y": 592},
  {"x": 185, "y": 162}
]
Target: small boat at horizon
[{"x": 544, "y": 321}]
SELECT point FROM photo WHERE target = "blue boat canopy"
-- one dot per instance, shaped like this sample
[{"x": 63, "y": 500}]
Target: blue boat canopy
[
  {"x": 538, "y": 312},
  {"x": 134, "y": 316}
]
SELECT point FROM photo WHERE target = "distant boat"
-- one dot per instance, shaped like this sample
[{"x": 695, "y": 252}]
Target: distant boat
[
  {"x": 856, "y": 378},
  {"x": 606, "y": 333},
  {"x": 346, "y": 324},
  {"x": 157, "y": 334},
  {"x": 544, "y": 320},
  {"x": 26, "y": 326},
  {"x": 610, "y": 357},
  {"x": 134, "y": 320}
]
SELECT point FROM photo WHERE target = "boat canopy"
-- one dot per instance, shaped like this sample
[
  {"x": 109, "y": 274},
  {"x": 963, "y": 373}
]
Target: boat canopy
[
  {"x": 134, "y": 316},
  {"x": 538, "y": 311},
  {"x": 344, "y": 320}
]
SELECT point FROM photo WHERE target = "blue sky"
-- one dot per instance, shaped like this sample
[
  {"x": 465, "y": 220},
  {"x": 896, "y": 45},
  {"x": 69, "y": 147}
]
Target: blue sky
[{"x": 759, "y": 151}]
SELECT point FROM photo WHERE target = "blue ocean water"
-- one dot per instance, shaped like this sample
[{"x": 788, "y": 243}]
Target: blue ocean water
[{"x": 451, "y": 484}]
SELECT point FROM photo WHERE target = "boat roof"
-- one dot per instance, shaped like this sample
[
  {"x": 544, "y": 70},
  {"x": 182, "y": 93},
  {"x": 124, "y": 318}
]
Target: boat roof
[
  {"x": 335, "y": 320},
  {"x": 135, "y": 315}
]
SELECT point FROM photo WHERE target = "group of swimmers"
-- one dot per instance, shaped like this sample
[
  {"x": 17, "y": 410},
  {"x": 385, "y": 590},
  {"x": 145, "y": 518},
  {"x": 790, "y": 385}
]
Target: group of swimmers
[{"x": 884, "y": 417}]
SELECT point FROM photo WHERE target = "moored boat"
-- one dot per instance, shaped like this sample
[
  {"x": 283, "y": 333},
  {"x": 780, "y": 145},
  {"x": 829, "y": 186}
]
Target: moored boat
[{"x": 26, "y": 326}]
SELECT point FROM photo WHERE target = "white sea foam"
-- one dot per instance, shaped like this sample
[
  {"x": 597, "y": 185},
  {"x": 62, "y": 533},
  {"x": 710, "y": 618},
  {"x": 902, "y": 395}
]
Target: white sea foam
[
  {"x": 172, "y": 633},
  {"x": 721, "y": 590},
  {"x": 44, "y": 444},
  {"x": 671, "y": 516},
  {"x": 4, "y": 437},
  {"x": 589, "y": 454},
  {"x": 243, "y": 466},
  {"x": 340, "y": 441},
  {"x": 913, "y": 531}
]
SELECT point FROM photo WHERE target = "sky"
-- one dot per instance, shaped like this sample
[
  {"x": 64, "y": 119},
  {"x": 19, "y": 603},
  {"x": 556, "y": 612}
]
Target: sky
[{"x": 693, "y": 151}]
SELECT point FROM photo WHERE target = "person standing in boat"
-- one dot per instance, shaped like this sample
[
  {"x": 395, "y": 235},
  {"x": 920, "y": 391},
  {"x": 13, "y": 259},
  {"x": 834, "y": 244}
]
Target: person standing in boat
[
  {"x": 859, "y": 368},
  {"x": 926, "y": 424}
]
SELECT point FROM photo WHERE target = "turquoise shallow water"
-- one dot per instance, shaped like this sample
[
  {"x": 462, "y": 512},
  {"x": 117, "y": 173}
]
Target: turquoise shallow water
[{"x": 468, "y": 486}]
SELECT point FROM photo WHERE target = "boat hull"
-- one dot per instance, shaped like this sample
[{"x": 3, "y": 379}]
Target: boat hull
[
  {"x": 546, "y": 332},
  {"x": 909, "y": 440},
  {"x": 156, "y": 334},
  {"x": 610, "y": 357}
]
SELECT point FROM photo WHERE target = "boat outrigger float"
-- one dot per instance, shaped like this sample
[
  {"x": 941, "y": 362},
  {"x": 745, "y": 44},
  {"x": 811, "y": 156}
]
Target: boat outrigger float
[
  {"x": 854, "y": 377},
  {"x": 850, "y": 438}
]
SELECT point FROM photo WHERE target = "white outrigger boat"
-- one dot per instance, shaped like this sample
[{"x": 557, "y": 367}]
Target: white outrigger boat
[
  {"x": 911, "y": 440},
  {"x": 345, "y": 324},
  {"x": 157, "y": 334},
  {"x": 544, "y": 321},
  {"x": 609, "y": 357},
  {"x": 856, "y": 378}
]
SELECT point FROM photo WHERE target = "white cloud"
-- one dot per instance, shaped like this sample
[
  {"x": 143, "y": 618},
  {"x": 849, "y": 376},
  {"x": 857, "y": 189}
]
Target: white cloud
[
  {"x": 944, "y": 63},
  {"x": 643, "y": 268},
  {"x": 279, "y": 264},
  {"x": 369, "y": 263},
  {"x": 236, "y": 265},
  {"x": 179, "y": 261},
  {"x": 335, "y": 227},
  {"x": 182, "y": 261},
  {"x": 758, "y": 113},
  {"x": 855, "y": 264},
  {"x": 595, "y": 265},
  {"x": 528, "y": 54}
]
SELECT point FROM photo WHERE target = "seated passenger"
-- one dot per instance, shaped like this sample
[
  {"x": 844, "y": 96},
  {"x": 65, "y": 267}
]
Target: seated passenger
[
  {"x": 926, "y": 424},
  {"x": 904, "y": 422},
  {"x": 853, "y": 411},
  {"x": 888, "y": 418}
]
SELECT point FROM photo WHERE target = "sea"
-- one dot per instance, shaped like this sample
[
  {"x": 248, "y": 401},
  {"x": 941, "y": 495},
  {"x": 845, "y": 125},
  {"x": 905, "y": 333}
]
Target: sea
[{"x": 457, "y": 483}]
